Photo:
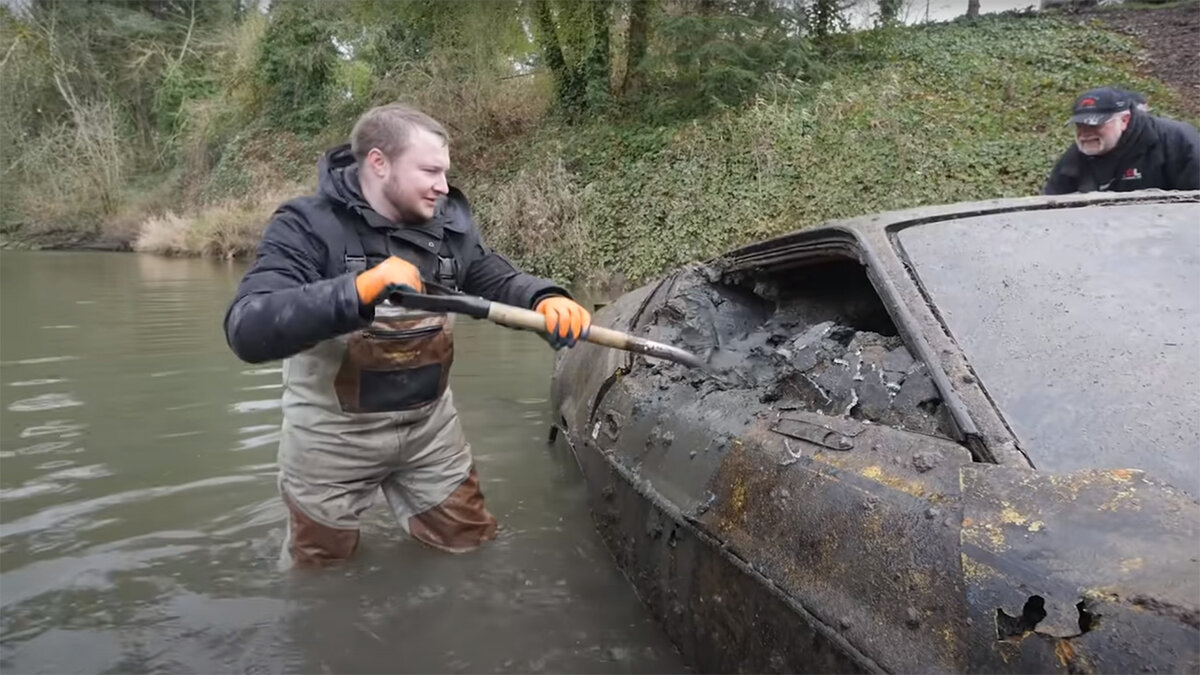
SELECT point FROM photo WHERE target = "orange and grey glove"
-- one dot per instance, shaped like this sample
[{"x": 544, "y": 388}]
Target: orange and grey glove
[
  {"x": 389, "y": 276},
  {"x": 566, "y": 320}
]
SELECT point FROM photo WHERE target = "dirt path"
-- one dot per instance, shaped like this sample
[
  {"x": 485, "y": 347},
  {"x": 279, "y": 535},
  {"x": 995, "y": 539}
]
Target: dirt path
[{"x": 1170, "y": 41}]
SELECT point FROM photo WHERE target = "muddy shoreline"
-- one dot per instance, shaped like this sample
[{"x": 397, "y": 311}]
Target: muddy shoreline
[{"x": 65, "y": 240}]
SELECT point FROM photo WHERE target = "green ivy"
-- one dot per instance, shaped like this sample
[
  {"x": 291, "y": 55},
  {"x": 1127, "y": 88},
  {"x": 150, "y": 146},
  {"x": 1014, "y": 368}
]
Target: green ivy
[
  {"x": 297, "y": 62},
  {"x": 910, "y": 117}
]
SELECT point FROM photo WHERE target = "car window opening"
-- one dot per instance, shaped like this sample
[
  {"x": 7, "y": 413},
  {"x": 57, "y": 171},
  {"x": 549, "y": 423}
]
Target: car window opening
[{"x": 815, "y": 338}]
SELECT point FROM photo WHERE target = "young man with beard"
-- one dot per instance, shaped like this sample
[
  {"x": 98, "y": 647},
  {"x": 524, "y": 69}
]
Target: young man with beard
[
  {"x": 1120, "y": 147},
  {"x": 366, "y": 406}
]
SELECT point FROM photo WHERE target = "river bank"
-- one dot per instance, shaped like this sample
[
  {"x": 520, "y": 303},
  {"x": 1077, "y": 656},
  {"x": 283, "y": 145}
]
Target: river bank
[{"x": 906, "y": 116}]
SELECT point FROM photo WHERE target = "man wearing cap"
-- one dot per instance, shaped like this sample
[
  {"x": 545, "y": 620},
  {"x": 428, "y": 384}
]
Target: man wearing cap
[{"x": 1120, "y": 147}]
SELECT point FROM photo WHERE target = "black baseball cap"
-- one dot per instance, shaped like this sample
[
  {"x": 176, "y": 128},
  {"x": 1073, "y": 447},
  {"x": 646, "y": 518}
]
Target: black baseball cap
[
  {"x": 1097, "y": 106},
  {"x": 1135, "y": 99}
]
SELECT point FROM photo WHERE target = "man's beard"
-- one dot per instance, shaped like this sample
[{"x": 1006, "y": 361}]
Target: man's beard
[
  {"x": 395, "y": 196},
  {"x": 1093, "y": 147}
]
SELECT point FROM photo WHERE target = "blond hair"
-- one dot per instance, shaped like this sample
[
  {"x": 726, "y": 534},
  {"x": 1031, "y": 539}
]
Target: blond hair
[{"x": 389, "y": 128}]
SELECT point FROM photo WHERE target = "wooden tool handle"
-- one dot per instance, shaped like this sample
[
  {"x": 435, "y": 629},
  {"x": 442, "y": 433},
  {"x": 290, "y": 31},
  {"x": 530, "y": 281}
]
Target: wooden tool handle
[
  {"x": 607, "y": 337},
  {"x": 515, "y": 317},
  {"x": 528, "y": 319}
]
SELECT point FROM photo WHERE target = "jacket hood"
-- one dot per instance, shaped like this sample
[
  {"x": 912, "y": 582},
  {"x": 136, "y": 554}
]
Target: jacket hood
[{"x": 337, "y": 178}]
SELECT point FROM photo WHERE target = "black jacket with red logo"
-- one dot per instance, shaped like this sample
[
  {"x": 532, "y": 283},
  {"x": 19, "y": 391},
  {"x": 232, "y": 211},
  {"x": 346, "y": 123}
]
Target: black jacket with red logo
[{"x": 1153, "y": 152}]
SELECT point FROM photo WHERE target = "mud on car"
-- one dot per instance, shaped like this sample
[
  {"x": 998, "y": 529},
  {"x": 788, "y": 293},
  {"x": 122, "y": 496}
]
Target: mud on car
[{"x": 961, "y": 438}]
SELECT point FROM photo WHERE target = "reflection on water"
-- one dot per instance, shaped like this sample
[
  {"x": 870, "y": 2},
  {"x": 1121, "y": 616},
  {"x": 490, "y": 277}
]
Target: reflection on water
[{"x": 140, "y": 528}]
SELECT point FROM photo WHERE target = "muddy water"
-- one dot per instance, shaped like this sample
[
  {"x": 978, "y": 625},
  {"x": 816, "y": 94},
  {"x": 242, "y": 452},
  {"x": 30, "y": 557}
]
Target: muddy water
[{"x": 140, "y": 529}]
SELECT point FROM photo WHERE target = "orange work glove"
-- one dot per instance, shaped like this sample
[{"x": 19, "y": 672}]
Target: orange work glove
[
  {"x": 387, "y": 277},
  {"x": 566, "y": 320}
]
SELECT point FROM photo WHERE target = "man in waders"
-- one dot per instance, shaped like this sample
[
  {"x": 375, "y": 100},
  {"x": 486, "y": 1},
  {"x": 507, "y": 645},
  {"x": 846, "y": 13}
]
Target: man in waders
[{"x": 366, "y": 406}]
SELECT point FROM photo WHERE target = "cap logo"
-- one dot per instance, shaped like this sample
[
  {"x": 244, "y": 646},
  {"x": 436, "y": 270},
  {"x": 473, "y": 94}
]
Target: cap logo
[{"x": 1088, "y": 102}]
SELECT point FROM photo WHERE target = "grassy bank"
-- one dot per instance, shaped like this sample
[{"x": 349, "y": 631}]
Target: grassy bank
[
  {"x": 955, "y": 112},
  {"x": 905, "y": 117}
]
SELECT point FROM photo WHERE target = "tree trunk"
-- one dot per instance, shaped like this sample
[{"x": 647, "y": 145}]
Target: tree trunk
[
  {"x": 547, "y": 38},
  {"x": 824, "y": 14},
  {"x": 598, "y": 65},
  {"x": 889, "y": 12},
  {"x": 639, "y": 35},
  {"x": 972, "y": 9}
]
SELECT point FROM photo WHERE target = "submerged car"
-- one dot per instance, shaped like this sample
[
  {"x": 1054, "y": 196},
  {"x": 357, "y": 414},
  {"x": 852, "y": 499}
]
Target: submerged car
[{"x": 953, "y": 439}]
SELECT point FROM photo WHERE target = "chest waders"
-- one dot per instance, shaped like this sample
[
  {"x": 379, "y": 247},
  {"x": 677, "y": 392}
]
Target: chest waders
[{"x": 371, "y": 412}]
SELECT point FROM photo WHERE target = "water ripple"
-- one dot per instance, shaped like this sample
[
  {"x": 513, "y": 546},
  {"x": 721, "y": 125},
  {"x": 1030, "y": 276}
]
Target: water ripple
[
  {"x": 251, "y": 516},
  {"x": 38, "y": 383},
  {"x": 56, "y": 515},
  {"x": 179, "y": 434},
  {"x": 256, "y": 468},
  {"x": 47, "y": 484},
  {"x": 44, "y": 359},
  {"x": 256, "y": 406},
  {"x": 60, "y": 428},
  {"x": 259, "y": 441},
  {"x": 54, "y": 464},
  {"x": 44, "y": 402},
  {"x": 30, "y": 490},
  {"x": 188, "y": 406},
  {"x": 80, "y": 473},
  {"x": 39, "y": 449},
  {"x": 90, "y": 571}
]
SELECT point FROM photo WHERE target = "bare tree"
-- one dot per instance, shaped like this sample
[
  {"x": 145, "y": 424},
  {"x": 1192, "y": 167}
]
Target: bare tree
[{"x": 972, "y": 9}]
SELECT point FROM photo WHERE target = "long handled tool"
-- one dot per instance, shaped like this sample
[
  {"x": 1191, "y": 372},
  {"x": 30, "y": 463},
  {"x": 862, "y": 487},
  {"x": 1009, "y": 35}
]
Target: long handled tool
[{"x": 525, "y": 319}]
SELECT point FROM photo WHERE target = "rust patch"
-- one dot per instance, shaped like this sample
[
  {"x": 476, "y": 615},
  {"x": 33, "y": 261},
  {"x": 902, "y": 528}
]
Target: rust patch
[
  {"x": 1123, "y": 475},
  {"x": 735, "y": 492},
  {"x": 989, "y": 536},
  {"x": 1011, "y": 516},
  {"x": 876, "y": 473},
  {"x": 737, "y": 501},
  {"x": 973, "y": 569},
  {"x": 1065, "y": 653},
  {"x": 1131, "y": 564},
  {"x": 1123, "y": 499},
  {"x": 1071, "y": 658}
]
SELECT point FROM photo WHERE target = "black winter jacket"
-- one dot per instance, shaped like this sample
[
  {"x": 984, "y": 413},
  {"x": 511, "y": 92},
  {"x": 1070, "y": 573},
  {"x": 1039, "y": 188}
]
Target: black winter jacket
[
  {"x": 299, "y": 292},
  {"x": 1153, "y": 153}
]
